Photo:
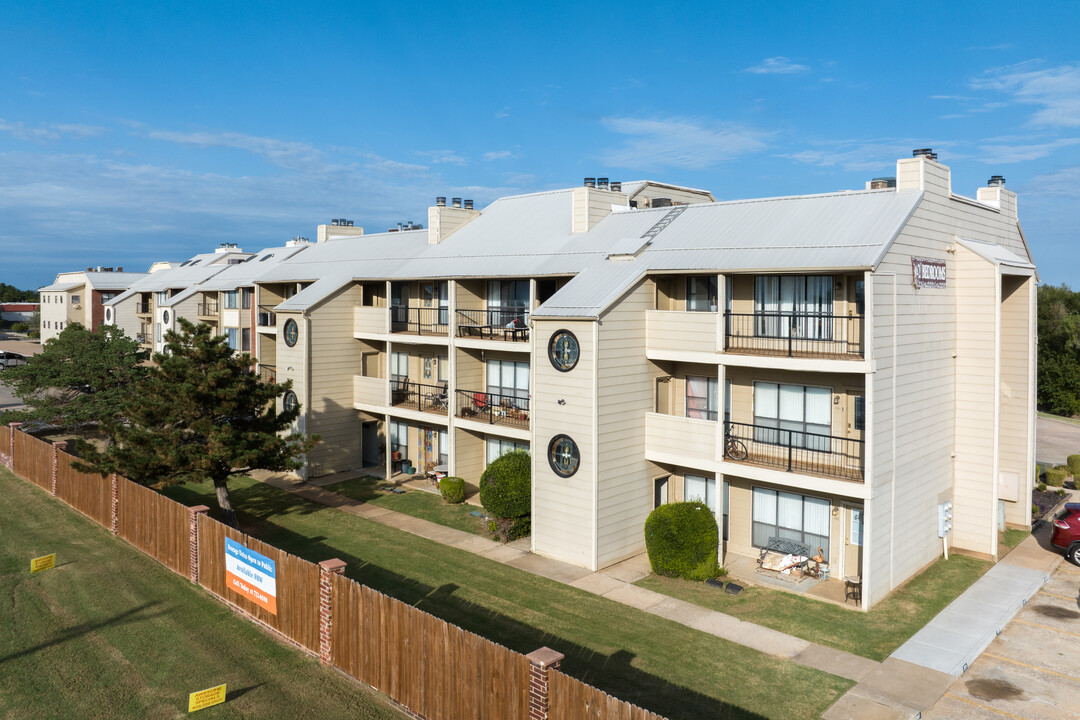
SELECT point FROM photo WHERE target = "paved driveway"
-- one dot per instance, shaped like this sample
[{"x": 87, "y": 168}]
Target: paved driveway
[
  {"x": 1031, "y": 671},
  {"x": 1055, "y": 440},
  {"x": 8, "y": 401}
]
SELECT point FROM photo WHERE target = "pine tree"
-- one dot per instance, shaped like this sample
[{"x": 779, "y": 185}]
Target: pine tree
[{"x": 200, "y": 414}]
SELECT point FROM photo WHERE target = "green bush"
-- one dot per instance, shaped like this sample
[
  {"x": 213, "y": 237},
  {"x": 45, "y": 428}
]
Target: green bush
[
  {"x": 1038, "y": 472},
  {"x": 1055, "y": 477},
  {"x": 1073, "y": 461},
  {"x": 20, "y": 327},
  {"x": 1041, "y": 487},
  {"x": 507, "y": 529},
  {"x": 506, "y": 485},
  {"x": 452, "y": 489},
  {"x": 682, "y": 541}
]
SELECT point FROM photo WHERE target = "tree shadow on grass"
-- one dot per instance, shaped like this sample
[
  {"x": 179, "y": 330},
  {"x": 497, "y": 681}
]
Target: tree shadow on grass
[{"x": 138, "y": 614}]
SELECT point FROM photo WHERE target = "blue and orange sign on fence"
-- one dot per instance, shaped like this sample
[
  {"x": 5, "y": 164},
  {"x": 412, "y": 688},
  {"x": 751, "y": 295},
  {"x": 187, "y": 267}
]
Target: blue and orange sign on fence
[{"x": 252, "y": 575}]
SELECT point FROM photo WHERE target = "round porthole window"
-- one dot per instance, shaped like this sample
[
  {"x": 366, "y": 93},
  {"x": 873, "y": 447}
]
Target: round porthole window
[
  {"x": 108, "y": 314},
  {"x": 563, "y": 350},
  {"x": 289, "y": 401},
  {"x": 563, "y": 455},
  {"x": 292, "y": 332},
  {"x": 165, "y": 317}
]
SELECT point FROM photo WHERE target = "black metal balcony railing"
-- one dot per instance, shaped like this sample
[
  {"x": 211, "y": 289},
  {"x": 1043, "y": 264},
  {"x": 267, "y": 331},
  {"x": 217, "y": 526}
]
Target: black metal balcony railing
[
  {"x": 142, "y": 308},
  {"x": 268, "y": 373},
  {"x": 418, "y": 396},
  {"x": 209, "y": 308},
  {"x": 266, "y": 316},
  {"x": 795, "y": 334},
  {"x": 493, "y": 408},
  {"x": 498, "y": 323},
  {"x": 419, "y": 320},
  {"x": 795, "y": 451}
]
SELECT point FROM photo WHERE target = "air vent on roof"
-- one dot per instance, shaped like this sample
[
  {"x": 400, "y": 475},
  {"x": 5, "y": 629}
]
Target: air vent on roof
[
  {"x": 996, "y": 181},
  {"x": 468, "y": 204},
  {"x": 264, "y": 258},
  {"x": 455, "y": 202},
  {"x": 927, "y": 153},
  {"x": 590, "y": 182},
  {"x": 440, "y": 201},
  {"x": 660, "y": 202},
  {"x": 195, "y": 262}
]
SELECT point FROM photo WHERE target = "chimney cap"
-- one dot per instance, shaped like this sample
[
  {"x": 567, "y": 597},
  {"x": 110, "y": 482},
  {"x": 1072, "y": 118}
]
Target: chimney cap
[
  {"x": 590, "y": 182},
  {"x": 924, "y": 152},
  {"x": 468, "y": 204},
  {"x": 602, "y": 183},
  {"x": 996, "y": 181},
  {"x": 440, "y": 201},
  {"x": 616, "y": 186}
]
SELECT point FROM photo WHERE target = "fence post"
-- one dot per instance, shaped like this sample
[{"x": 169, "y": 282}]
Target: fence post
[
  {"x": 539, "y": 663},
  {"x": 193, "y": 540},
  {"x": 114, "y": 523},
  {"x": 327, "y": 568},
  {"x": 56, "y": 448},
  {"x": 14, "y": 428}
]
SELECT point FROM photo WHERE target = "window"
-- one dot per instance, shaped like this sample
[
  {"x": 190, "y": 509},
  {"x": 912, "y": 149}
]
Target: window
[
  {"x": 245, "y": 339},
  {"x": 60, "y": 299},
  {"x": 245, "y": 298},
  {"x": 791, "y": 516},
  {"x": 399, "y": 439},
  {"x": 856, "y": 526},
  {"x": 660, "y": 491},
  {"x": 859, "y": 421},
  {"x": 793, "y": 306},
  {"x": 507, "y": 300},
  {"x": 399, "y": 366},
  {"x": 701, "y": 293},
  {"x": 76, "y": 299},
  {"x": 701, "y": 397},
  {"x": 162, "y": 297},
  {"x": 509, "y": 379},
  {"x": 233, "y": 335},
  {"x": 793, "y": 415},
  {"x": 437, "y": 295},
  {"x": 860, "y": 297},
  {"x": 232, "y": 300},
  {"x": 444, "y": 447},
  {"x": 107, "y": 296},
  {"x": 497, "y": 447},
  {"x": 157, "y": 332},
  {"x": 697, "y": 487}
]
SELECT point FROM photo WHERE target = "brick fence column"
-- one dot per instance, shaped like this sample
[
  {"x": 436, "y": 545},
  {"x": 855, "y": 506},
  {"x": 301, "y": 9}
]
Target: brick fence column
[
  {"x": 193, "y": 540},
  {"x": 56, "y": 449},
  {"x": 114, "y": 501},
  {"x": 540, "y": 660},
  {"x": 327, "y": 569}
]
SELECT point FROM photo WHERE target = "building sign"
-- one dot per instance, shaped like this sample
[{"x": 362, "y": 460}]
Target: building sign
[
  {"x": 252, "y": 575},
  {"x": 206, "y": 698},
  {"x": 928, "y": 272},
  {"x": 45, "y": 562}
]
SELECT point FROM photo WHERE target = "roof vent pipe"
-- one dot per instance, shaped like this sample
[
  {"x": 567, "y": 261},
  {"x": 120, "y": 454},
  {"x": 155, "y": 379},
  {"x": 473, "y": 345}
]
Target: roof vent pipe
[
  {"x": 996, "y": 181},
  {"x": 455, "y": 202},
  {"x": 440, "y": 201},
  {"x": 334, "y": 221},
  {"x": 928, "y": 153},
  {"x": 468, "y": 204},
  {"x": 590, "y": 182},
  {"x": 602, "y": 183},
  {"x": 616, "y": 186}
]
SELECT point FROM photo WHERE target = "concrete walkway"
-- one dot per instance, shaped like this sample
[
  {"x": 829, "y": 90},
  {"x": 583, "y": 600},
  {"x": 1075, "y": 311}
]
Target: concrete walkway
[
  {"x": 914, "y": 678},
  {"x": 614, "y": 583}
]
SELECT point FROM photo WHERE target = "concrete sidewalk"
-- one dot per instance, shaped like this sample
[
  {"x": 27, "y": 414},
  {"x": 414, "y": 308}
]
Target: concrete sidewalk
[
  {"x": 914, "y": 678},
  {"x": 614, "y": 583}
]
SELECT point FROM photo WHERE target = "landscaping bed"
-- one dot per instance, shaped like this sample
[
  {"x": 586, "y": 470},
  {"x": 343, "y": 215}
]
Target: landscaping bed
[{"x": 1042, "y": 502}]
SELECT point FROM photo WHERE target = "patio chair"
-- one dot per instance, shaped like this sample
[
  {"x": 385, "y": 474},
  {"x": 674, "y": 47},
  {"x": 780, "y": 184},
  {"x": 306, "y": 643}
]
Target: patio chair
[{"x": 439, "y": 397}]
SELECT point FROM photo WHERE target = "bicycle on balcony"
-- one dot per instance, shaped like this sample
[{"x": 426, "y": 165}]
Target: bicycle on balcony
[{"x": 734, "y": 448}]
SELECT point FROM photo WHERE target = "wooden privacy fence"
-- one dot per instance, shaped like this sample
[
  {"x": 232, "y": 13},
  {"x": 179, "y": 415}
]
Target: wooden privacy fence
[{"x": 435, "y": 670}]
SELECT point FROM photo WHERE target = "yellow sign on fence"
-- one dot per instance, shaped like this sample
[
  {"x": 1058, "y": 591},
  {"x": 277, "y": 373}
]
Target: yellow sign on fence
[
  {"x": 45, "y": 562},
  {"x": 206, "y": 698}
]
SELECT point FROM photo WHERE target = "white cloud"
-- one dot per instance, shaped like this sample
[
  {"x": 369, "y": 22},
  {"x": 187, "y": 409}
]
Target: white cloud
[
  {"x": 778, "y": 65},
  {"x": 499, "y": 155},
  {"x": 443, "y": 156},
  {"x": 873, "y": 156},
  {"x": 1006, "y": 152},
  {"x": 281, "y": 152},
  {"x": 1056, "y": 90},
  {"x": 1063, "y": 183},
  {"x": 680, "y": 142},
  {"x": 502, "y": 113},
  {"x": 50, "y": 131}
]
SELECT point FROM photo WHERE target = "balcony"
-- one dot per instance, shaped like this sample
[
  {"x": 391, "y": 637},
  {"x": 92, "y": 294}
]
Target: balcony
[
  {"x": 495, "y": 323},
  {"x": 370, "y": 391},
  {"x": 266, "y": 317},
  {"x": 142, "y": 308},
  {"x": 268, "y": 373},
  {"x": 209, "y": 309},
  {"x": 795, "y": 451},
  {"x": 420, "y": 320},
  {"x": 493, "y": 408},
  {"x": 680, "y": 440},
  {"x": 670, "y": 332},
  {"x": 419, "y": 396},
  {"x": 369, "y": 320},
  {"x": 801, "y": 335}
]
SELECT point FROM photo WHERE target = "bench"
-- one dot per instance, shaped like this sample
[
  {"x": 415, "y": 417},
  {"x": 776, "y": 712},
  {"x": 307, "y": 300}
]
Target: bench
[{"x": 774, "y": 559}]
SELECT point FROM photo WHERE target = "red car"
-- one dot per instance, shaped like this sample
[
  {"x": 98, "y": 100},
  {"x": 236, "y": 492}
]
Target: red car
[{"x": 1066, "y": 533}]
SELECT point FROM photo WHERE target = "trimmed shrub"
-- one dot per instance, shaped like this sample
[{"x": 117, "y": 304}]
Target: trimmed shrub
[
  {"x": 1038, "y": 472},
  {"x": 682, "y": 541},
  {"x": 506, "y": 485},
  {"x": 452, "y": 489},
  {"x": 20, "y": 327},
  {"x": 1073, "y": 461},
  {"x": 1055, "y": 477},
  {"x": 1041, "y": 487}
]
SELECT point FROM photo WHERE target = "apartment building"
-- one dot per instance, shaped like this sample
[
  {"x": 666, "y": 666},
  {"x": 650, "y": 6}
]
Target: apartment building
[
  {"x": 828, "y": 367},
  {"x": 81, "y": 297}
]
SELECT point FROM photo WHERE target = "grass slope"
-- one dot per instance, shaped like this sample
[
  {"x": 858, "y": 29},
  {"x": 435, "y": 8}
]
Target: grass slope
[
  {"x": 110, "y": 633},
  {"x": 649, "y": 661},
  {"x": 419, "y": 504}
]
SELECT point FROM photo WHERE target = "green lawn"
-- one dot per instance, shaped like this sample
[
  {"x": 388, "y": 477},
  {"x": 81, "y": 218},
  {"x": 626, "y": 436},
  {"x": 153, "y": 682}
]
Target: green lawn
[
  {"x": 110, "y": 633},
  {"x": 1013, "y": 537},
  {"x": 655, "y": 663},
  {"x": 874, "y": 634},
  {"x": 419, "y": 504},
  {"x": 1072, "y": 420}
]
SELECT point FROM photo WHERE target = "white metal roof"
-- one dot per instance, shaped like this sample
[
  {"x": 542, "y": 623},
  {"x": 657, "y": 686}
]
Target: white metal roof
[
  {"x": 60, "y": 287},
  {"x": 113, "y": 280},
  {"x": 997, "y": 255},
  {"x": 252, "y": 269}
]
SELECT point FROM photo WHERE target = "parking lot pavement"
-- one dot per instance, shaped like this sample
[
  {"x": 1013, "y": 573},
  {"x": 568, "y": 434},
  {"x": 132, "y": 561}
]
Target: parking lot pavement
[
  {"x": 1032, "y": 669},
  {"x": 1055, "y": 440},
  {"x": 8, "y": 401}
]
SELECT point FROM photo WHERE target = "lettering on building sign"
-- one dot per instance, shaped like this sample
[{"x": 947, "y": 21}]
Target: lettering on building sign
[{"x": 928, "y": 272}]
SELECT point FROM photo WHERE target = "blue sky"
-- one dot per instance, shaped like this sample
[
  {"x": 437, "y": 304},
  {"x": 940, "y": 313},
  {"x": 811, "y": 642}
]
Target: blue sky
[{"x": 137, "y": 131}]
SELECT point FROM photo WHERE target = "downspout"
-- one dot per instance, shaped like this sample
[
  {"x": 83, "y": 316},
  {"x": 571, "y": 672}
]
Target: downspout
[{"x": 596, "y": 448}]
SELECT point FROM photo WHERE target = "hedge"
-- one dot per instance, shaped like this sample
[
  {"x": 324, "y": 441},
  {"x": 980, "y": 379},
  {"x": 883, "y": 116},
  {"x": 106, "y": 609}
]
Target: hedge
[
  {"x": 682, "y": 540},
  {"x": 506, "y": 485},
  {"x": 1073, "y": 461},
  {"x": 452, "y": 489},
  {"x": 1055, "y": 476}
]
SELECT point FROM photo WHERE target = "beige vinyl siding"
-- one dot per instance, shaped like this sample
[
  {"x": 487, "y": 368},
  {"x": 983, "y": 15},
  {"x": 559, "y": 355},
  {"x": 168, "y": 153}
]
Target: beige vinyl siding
[
  {"x": 974, "y": 512},
  {"x": 690, "y": 331},
  {"x": 335, "y": 359},
  {"x": 188, "y": 308},
  {"x": 625, "y": 395},
  {"x": 1016, "y": 400},
  {"x": 470, "y": 372},
  {"x": 564, "y": 512},
  {"x": 591, "y": 205},
  {"x": 124, "y": 316},
  {"x": 469, "y": 462}
]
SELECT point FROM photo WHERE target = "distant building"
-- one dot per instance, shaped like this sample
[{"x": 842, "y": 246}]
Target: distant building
[
  {"x": 18, "y": 312},
  {"x": 80, "y": 297}
]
